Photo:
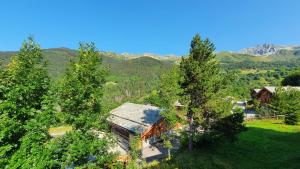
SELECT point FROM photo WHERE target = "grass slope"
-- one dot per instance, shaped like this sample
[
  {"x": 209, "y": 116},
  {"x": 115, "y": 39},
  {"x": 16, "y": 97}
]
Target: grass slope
[{"x": 267, "y": 144}]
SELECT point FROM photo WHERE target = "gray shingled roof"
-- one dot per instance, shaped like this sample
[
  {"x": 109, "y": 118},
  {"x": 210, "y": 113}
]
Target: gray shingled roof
[{"x": 135, "y": 117}]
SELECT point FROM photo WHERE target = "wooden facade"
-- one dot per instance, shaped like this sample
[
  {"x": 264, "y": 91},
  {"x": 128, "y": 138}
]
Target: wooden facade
[
  {"x": 120, "y": 131},
  {"x": 264, "y": 96},
  {"x": 155, "y": 130}
]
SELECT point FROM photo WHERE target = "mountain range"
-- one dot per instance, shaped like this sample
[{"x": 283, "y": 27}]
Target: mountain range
[
  {"x": 271, "y": 49},
  {"x": 267, "y": 56}
]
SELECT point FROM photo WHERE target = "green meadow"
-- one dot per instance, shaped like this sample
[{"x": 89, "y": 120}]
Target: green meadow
[{"x": 266, "y": 144}]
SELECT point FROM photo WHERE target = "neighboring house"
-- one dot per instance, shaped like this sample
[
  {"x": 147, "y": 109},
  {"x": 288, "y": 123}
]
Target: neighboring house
[
  {"x": 130, "y": 120},
  {"x": 266, "y": 93}
]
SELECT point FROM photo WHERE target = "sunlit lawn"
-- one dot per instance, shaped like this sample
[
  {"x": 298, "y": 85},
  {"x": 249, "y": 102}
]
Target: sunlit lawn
[
  {"x": 267, "y": 144},
  {"x": 59, "y": 131}
]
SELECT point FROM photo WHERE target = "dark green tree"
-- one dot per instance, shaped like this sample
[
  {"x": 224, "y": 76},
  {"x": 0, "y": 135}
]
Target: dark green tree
[
  {"x": 200, "y": 82},
  {"x": 293, "y": 79},
  {"x": 286, "y": 102}
]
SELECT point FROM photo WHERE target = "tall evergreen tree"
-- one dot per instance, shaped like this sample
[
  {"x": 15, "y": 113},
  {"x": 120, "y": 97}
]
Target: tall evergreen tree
[{"x": 201, "y": 80}]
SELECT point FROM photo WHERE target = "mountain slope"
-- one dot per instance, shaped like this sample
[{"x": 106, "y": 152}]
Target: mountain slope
[
  {"x": 153, "y": 65},
  {"x": 132, "y": 65}
]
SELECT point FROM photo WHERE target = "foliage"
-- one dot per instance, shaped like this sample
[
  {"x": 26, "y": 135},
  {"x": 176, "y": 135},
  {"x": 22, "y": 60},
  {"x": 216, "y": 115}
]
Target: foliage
[
  {"x": 23, "y": 84},
  {"x": 81, "y": 89},
  {"x": 291, "y": 118},
  {"x": 32, "y": 152},
  {"x": 286, "y": 102},
  {"x": 169, "y": 91},
  {"x": 29, "y": 108},
  {"x": 80, "y": 96},
  {"x": 229, "y": 126},
  {"x": 201, "y": 80},
  {"x": 167, "y": 143},
  {"x": 293, "y": 79},
  {"x": 80, "y": 149},
  {"x": 135, "y": 147}
]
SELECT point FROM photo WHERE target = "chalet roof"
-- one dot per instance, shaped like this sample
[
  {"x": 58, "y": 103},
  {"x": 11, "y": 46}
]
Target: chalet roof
[
  {"x": 177, "y": 104},
  {"x": 256, "y": 90},
  {"x": 272, "y": 89},
  {"x": 135, "y": 117}
]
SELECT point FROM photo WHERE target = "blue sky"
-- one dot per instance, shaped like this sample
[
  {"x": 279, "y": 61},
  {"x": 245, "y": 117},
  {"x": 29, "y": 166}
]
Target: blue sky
[{"x": 149, "y": 26}]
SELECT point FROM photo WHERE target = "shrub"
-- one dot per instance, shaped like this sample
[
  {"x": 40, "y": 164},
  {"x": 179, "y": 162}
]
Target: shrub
[
  {"x": 291, "y": 119},
  {"x": 230, "y": 125}
]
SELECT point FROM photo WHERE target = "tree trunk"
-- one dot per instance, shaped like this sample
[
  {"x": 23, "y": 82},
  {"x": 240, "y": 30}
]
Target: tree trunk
[
  {"x": 169, "y": 153},
  {"x": 191, "y": 134}
]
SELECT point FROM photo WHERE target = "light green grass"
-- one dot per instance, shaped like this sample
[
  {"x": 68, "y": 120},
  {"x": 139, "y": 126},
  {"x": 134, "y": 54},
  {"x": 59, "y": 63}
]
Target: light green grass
[
  {"x": 59, "y": 131},
  {"x": 254, "y": 71},
  {"x": 267, "y": 144}
]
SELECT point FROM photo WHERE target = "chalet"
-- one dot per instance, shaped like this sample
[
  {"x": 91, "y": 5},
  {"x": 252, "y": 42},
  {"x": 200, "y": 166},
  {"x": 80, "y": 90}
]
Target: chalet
[
  {"x": 266, "y": 93},
  {"x": 130, "y": 120}
]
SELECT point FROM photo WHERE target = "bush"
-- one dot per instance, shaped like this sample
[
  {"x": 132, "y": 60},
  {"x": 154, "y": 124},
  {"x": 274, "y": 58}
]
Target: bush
[
  {"x": 230, "y": 126},
  {"x": 292, "y": 79},
  {"x": 291, "y": 119},
  {"x": 227, "y": 127}
]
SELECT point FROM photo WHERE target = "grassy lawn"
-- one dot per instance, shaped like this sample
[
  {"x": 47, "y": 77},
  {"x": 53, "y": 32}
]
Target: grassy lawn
[
  {"x": 59, "y": 131},
  {"x": 267, "y": 144},
  {"x": 248, "y": 71}
]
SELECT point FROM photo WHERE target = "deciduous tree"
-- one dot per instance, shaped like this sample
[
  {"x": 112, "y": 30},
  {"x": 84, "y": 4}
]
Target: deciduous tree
[{"x": 23, "y": 84}]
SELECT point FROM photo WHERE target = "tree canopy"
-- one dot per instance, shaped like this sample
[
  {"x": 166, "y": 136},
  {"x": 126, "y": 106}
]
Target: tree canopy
[
  {"x": 293, "y": 79},
  {"x": 23, "y": 86}
]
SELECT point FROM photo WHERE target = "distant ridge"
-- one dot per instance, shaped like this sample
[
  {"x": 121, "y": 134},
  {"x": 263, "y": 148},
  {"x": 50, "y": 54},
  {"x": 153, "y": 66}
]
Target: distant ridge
[{"x": 267, "y": 49}]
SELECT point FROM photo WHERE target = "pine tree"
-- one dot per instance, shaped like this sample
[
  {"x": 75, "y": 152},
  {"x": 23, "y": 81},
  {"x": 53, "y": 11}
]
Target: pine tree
[{"x": 201, "y": 80}]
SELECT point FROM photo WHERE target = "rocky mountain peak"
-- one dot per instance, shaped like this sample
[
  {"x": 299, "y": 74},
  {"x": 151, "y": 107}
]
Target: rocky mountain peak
[{"x": 260, "y": 50}]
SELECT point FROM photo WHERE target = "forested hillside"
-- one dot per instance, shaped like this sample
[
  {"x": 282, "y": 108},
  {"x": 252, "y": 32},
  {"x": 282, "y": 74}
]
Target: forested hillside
[{"x": 133, "y": 77}]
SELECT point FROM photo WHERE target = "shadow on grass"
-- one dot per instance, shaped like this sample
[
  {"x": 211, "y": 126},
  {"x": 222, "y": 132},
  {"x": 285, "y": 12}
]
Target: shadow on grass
[
  {"x": 257, "y": 148},
  {"x": 277, "y": 123}
]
